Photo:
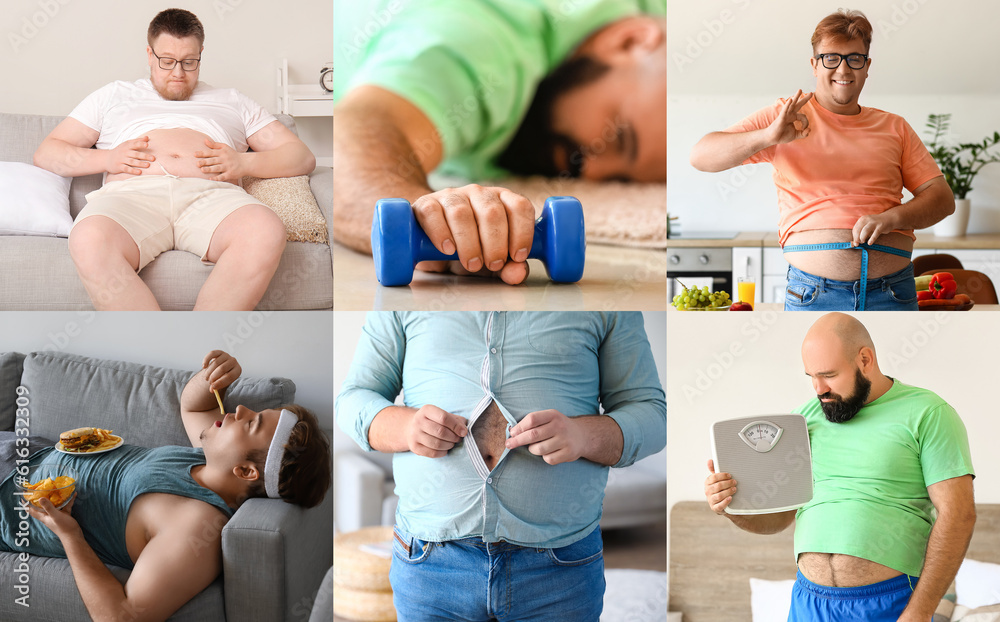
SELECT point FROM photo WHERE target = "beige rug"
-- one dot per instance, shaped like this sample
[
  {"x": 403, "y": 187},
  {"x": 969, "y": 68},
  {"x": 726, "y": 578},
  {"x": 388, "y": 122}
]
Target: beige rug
[{"x": 616, "y": 213}]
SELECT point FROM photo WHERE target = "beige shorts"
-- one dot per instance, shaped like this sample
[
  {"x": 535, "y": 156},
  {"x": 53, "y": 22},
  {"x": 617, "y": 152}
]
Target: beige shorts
[{"x": 162, "y": 212}]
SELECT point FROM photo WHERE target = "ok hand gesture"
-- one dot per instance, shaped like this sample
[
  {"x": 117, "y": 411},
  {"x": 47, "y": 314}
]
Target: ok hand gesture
[{"x": 783, "y": 129}]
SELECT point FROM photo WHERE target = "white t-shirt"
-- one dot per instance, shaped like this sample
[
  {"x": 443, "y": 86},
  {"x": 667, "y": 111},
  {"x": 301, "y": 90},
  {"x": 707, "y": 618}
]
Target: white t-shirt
[{"x": 123, "y": 110}]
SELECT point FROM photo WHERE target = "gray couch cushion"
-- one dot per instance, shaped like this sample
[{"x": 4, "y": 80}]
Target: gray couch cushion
[
  {"x": 20, "y": 137},
  {"x": 322, "y": 610},
  {"x": 10, "y": 378},
  {"x": 53, "y": 595},
  {"x": 38, "y": 275},
  {"x": 139, "y": 402},
  {"x": 304, "y": 279},
  {"x": 268, "y": 529}
]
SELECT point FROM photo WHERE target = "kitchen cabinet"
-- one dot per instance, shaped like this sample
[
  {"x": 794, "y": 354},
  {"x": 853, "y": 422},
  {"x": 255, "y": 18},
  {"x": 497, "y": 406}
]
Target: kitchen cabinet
[{"x": 747, "y": 263}]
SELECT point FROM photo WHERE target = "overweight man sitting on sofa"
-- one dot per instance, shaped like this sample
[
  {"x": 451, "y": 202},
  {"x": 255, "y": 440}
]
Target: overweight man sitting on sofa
[
  {"x": 173, "y": 149},
  {"x": 160, "y": 512}
]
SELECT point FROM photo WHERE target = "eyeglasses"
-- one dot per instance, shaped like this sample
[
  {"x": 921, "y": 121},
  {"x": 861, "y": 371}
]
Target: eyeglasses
[
  {"x": 854, "y": 61},
  {"x": 168, "y": 64}
]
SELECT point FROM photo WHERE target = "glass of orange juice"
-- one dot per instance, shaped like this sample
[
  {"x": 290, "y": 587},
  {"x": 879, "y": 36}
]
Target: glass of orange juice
[{"x": 747, "y": 289}]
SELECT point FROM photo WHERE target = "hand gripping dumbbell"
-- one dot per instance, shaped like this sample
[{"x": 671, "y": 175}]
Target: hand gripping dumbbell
[{"x": 398, "y": 242}]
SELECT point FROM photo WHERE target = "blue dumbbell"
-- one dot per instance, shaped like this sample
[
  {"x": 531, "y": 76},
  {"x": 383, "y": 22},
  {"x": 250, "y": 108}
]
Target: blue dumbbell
[{"x": 398, "y": 242}]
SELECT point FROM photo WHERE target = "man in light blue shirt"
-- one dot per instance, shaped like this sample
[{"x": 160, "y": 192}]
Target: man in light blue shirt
[{"x": 502, "y": 453}]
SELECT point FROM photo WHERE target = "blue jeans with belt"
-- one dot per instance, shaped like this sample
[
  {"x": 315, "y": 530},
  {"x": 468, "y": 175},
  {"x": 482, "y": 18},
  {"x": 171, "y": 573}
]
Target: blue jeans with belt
[
  {"x": 893, "y": 292},
  {"x": 475, "y": 581}
]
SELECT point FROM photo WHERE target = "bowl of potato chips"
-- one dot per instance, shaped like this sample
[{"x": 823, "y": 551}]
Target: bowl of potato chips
[{"x": 57, "y": 483}]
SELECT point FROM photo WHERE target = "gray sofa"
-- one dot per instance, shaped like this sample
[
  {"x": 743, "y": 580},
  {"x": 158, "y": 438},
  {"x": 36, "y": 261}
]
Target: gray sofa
[
  {"x": 275, "y": 554},
  {"x": 37, "y": 273}
]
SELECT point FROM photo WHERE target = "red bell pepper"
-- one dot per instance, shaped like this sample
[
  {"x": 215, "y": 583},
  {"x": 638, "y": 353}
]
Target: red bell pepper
[
  {"x": 925, "y": 295},
  {"x": 943, "y": 285}
]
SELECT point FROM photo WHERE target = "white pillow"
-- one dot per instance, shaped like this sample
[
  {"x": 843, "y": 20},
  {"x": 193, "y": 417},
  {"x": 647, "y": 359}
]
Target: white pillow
[
  {"x": 977, "y": 584},
  {"x": 33, "y": 201},
  {"x": 770, "y": 600}
]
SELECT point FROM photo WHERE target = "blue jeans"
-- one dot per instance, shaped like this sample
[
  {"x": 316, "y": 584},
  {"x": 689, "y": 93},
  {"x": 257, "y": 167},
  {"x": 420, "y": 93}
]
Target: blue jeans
[
  {"x": 474, "y": 581},
  {"x": 878, "y": 602},
  {"x": 807, "y": 292}
]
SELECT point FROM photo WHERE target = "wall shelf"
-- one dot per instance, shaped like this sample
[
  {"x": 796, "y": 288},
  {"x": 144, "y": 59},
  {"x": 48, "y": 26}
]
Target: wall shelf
[{"x": 302, "y": 100}]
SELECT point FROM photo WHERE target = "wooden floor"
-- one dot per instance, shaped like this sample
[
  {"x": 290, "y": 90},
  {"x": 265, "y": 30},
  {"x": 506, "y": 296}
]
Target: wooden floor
[
  {"x": 641, "y": 548},
  {"x": 614, "y": 278}
]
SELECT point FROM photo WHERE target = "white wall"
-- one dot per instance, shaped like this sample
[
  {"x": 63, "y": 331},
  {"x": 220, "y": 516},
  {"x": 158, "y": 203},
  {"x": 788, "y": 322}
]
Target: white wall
[
  {"x": 729, "y": 58},
  {"x": 290, "y": 344},
  {"x": 56, "y": 52},
  {"x": 726, "y": 365},
  {"x": 347, "y": 331}
]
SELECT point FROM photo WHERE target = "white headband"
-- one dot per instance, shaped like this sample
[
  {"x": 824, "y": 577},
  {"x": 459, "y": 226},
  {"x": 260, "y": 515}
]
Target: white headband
[{"x": 276, "y": 452}]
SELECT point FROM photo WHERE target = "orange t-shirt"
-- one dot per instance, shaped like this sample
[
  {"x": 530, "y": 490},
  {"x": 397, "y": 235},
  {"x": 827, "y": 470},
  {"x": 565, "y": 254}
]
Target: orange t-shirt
[{"x": 848, "y": 166}]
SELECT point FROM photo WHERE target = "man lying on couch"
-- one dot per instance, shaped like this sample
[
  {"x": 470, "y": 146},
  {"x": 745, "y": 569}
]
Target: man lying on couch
[
  {"x": 172, "y": 149},
  {"x": 160, "y": 512}
]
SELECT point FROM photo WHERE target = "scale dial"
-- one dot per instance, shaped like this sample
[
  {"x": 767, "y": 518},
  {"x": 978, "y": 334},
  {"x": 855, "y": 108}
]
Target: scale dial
[{"x": 761, "y": 436}]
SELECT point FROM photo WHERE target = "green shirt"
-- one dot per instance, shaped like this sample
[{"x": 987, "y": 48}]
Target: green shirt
[
  {"x": 870, "y": 477},
  {"x": 471, "y": 66}
]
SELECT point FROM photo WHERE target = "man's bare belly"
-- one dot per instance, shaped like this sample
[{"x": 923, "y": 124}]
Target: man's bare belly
[
  {"x": 834, "y": 570},
  {"x": 174, "y": 151},
  {"x": 845, "y": 265},
  {"x": 490, "y": 432}
]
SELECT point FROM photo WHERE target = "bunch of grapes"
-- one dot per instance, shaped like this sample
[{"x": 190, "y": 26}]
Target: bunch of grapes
[{"x": 692, "y": 299}]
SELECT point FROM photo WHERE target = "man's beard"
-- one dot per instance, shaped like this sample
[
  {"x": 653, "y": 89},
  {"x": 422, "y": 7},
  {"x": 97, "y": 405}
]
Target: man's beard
[
  {"x": 841, "y": 410},
  {"x": 176, "y": 96}
]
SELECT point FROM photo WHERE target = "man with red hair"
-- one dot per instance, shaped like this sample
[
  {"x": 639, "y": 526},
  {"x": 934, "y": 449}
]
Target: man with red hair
[{"x": 840, "y": 169}]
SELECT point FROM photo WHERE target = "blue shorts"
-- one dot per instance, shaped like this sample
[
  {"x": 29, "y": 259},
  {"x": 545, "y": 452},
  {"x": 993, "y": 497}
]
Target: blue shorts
[
  {"x": 893, "y": 292},
  {"x": 878, "y": 602},
  {"x": 475, "y": 581}
]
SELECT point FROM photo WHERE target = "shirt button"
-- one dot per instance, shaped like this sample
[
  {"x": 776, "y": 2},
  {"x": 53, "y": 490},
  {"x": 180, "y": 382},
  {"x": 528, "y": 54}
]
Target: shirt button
[
  {"x": 489, "y": 480},
  {"x": 493, "y": 350}
]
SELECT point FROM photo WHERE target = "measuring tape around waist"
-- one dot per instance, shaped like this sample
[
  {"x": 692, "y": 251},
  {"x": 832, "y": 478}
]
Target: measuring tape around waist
[{"x": 864, "y": 248}]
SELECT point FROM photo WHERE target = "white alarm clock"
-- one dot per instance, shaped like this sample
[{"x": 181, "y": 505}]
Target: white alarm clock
[
  {"x": 326, "y": 77},
  {"x": 770, "y": 458}
]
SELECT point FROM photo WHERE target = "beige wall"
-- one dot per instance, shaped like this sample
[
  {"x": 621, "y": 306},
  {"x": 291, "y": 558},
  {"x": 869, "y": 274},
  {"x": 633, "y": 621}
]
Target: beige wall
[{"x": 53, "y": 53}]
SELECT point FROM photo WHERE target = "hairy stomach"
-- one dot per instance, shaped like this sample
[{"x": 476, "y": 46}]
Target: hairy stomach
[
  {"x": 845, "y": 265},
  {"x": 174, "y": 151},
  {"x": 836, "y": 570}
]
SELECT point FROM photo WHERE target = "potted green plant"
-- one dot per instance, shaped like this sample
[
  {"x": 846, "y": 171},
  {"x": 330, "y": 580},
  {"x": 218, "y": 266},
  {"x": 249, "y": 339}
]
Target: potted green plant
[{"x": 960, "y": 165}]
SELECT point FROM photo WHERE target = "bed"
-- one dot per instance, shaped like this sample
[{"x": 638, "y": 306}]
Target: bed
[{"x": 712, "y": 562}]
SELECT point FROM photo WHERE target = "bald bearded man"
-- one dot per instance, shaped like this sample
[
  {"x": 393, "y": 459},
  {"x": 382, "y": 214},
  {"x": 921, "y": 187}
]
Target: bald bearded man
[{"x": 885, "y": 456}]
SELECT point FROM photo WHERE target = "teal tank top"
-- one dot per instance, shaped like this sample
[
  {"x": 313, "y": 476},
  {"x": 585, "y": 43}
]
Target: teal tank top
[{"x": 106, "y": 486}]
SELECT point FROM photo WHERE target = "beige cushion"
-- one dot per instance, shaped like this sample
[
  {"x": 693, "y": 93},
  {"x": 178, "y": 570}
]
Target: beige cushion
[
  {"x": 293, "y": 202},
  {"x": 361, "y": 589}
]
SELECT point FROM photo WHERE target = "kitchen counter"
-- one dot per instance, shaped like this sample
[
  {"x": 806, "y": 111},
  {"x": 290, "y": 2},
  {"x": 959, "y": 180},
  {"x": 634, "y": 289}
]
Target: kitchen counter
[
  {"x": 976, "y": 241},
  {"x": 769, "y": 239},
  {"x": 743, "y": 239}
]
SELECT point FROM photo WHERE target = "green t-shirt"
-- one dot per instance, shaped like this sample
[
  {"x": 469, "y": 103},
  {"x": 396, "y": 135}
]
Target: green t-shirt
[
  {"x": 870, "y": 477},
  {"x": 471, "y": 66}
]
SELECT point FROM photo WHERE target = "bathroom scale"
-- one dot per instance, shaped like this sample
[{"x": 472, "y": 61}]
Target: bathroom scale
[{"x": 770, "y": 459}]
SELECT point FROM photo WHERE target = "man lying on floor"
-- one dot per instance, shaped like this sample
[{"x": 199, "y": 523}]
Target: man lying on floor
[
  {"x": 160, "y": 512},
  {"x": 476, "y": 90}
]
